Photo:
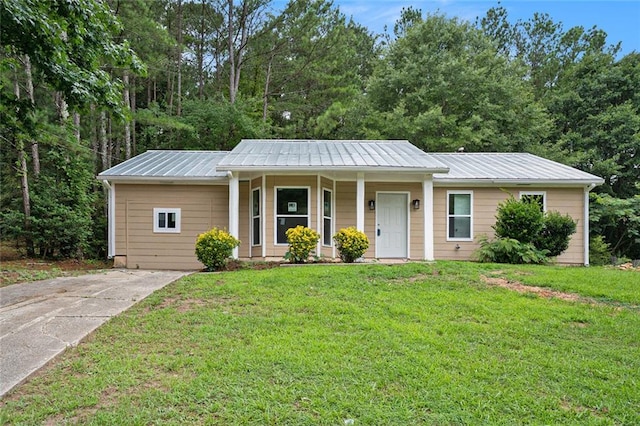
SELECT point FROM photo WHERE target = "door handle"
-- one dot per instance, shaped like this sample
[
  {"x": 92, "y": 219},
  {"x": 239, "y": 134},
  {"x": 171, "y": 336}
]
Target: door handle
[{"x": 378, "y": 232}]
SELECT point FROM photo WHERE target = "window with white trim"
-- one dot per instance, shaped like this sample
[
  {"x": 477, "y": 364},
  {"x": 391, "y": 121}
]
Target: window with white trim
[
  {"x": 166, "y": 220},
  {"x": 327, "y": 217},
  {"x": 255, "y": 217},
  {"x": 460, "y": 215},
  {"x": 292, "y": 209},
  {"x": 539, "y": 197}
]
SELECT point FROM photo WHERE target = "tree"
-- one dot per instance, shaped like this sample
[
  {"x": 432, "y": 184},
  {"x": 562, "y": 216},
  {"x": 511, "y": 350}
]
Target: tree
[
  {"x": 443, "y": 86},
  {"x": 68, "y": 44}
]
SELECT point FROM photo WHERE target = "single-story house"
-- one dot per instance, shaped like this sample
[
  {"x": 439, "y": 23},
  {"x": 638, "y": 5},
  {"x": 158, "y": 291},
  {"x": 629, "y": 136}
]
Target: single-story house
[{"x": 411, "y": 204}]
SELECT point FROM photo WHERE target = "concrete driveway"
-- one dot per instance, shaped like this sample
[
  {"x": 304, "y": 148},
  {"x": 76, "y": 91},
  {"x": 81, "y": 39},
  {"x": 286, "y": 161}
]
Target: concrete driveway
[{"x": 39, "y": 320}]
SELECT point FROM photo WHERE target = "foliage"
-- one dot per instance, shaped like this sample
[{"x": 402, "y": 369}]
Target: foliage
[
  {"x": 519, "y": 220},
  {"x": 351, "y": 244},
  {"x": 355, "y": 337},
  {"x": 599, "y": 251},
  {"x": 555, "y": 233},
  {"x": 509, "y": 250},
  {"x": 442, "y": 85},
  {"x": 618, "y": 220},
  {"x": 62, "y": 206},
  {"x": 69, "y": 42},
  {"x": 302, "y": 241},
  {"x": 214, "y": 247}
]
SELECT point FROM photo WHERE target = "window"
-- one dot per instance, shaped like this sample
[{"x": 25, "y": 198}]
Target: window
[
  {"x": 255, "y": 217},
  {"x": 292, "y": 209},
  {"x": 327, "y": 209},
  {"x": 539, "y": 197},
  {"x": 166, "y": 220},
  {"x": 460, "y": 215}
]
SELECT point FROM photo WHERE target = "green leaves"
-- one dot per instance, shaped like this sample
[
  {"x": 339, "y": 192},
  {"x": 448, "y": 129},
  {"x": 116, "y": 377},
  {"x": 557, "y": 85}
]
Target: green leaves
[{"x": 69, "y": 42}]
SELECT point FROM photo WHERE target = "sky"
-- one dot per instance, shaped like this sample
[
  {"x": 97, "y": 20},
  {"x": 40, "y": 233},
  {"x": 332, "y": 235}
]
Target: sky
[{"x": 619, "y": 19}]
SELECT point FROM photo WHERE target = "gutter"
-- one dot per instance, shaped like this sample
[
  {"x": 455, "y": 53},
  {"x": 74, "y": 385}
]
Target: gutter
[{"x": 111, "y": 218}]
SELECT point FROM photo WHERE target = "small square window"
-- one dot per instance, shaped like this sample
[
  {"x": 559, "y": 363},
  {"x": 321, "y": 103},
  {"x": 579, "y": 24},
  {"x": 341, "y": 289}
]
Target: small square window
[
  {"x": 539, "y": 197},
  {"x": 166, "y": 220}
]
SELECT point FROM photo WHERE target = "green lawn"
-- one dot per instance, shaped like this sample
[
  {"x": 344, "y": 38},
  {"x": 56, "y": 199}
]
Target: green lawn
[{"x": 381, "y": 345}]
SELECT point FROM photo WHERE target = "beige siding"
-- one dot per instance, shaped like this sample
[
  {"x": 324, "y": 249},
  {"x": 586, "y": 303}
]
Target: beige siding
[
  {"x": 202, "y": 207},
  {"x": 485, "y": 203}
]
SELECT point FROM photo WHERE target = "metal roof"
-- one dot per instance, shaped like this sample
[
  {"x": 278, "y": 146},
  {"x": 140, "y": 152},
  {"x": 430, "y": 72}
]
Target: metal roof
[
  {"x": 154, "y": 165},
  {"x": 350, "y": 155},
  {"x": 508, "y": 168},
  {"x": 392, "y": 156}
]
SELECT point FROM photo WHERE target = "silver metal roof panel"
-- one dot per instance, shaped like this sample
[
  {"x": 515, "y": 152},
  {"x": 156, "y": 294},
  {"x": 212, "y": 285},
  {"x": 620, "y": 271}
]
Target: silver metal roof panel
[
  {"x": 365, "y": 155},
  {"x": 169, "y": 165},
  {"x": 508, "y": 167}
]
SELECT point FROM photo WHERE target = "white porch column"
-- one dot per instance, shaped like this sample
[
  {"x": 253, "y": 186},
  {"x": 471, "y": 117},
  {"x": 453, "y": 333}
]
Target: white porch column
[
  {"x": 111, "y": 218},
  {"x": 263, "y": 216},
  {"x": 234, "y": 208},
  {"x": 427, "y": 202},
  {"x": 360, "y": 202}
]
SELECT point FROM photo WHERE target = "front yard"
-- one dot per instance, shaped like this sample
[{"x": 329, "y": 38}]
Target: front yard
[{"x": 442, "y": 343}]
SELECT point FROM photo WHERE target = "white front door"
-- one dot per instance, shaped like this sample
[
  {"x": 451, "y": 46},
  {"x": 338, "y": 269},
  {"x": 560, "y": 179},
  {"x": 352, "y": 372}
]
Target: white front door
[{"x": 391, "y": 225}]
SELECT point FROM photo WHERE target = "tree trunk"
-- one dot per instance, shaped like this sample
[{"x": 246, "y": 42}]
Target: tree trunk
[
  {"x": 265, "y": 97},
  {"x": 232, "y": 56},
  {"x": 103, "y": 140},
  {"x": 109, "y": 142},
  {"x": 201, "y": 54},
  {"x": 23, "y": 171},
  {"x": 133, "y": 115},
  {"x": 179, "y": 100},
  {"x": 94, "y": 138},
  {"x": 76, "y": 126},
  {"x": 35, "y": 150},
  {"x": 127, "y": 123},
  {"x": 26, "y": 199},
  {"x": 62, "y": 108}
]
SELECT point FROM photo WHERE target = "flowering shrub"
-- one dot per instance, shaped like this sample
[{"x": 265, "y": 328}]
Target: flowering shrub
[
  {"x": 351, "y": 244},
  {"x": 302, "y": 241},
  {"x": 214, "y": 247}
]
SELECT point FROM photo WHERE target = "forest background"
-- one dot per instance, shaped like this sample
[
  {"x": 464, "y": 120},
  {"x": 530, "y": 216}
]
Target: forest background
[{"x": 85, "y": 85}]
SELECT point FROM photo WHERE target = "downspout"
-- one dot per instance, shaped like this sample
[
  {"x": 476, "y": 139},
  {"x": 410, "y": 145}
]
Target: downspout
[
  {"x": 587, "y": 189},
  {"x": 111, "y": 219}
]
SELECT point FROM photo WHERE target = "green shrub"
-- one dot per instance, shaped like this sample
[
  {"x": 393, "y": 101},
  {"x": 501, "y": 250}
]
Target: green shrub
[
  {"x": 518, "y": 220},
  {"x": 351, "y": 244},
  {"x": 214, "y": 247},
  {"x": 599, "y": 251},
  {"x": 555, "y": 234},
  {"x": 302, "y": 241},
  {"x": 509, "y": 250}
]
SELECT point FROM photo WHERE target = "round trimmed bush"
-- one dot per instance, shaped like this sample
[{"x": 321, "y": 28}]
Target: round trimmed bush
[
  {"x": 214, "y": 247},
  {"x": 351, "y": 244},
  {"x": 302, "y": 241}
]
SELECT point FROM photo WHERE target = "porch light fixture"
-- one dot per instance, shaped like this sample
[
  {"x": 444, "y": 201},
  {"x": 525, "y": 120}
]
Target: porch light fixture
[
  {"x": 372, "y": 204},
  {"x": 416, "y": 204}
]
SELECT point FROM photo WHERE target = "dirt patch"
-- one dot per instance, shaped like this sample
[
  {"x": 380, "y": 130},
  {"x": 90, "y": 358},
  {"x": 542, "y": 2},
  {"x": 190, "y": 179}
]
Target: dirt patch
[{"x": 540, "y": 291}]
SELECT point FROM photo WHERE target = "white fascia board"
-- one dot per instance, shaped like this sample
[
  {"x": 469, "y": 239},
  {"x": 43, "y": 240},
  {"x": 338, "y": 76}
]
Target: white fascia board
[
  {"x": 222, "y": 180},
  {"x": 448, "y": 182}
]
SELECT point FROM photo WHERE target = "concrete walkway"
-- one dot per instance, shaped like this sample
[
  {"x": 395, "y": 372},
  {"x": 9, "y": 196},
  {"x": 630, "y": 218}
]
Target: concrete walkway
[{"x": 39, "y": 320}]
